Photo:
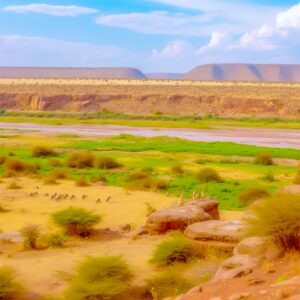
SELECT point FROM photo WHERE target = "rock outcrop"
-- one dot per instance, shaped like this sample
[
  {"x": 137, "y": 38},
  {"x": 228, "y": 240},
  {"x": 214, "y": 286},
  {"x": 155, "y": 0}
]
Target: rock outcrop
[{"x": 178, "y": 218}]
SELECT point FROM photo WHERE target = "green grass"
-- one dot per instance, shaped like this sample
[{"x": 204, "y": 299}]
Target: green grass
[{"x": 130, "y": 143}]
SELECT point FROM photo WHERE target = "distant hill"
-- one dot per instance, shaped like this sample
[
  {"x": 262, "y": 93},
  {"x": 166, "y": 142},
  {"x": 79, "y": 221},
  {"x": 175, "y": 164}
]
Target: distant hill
[
  {"x": 32, "y": 72},
  {"x": 245, "y": 72},
  {"x": 163, "y": 75}
]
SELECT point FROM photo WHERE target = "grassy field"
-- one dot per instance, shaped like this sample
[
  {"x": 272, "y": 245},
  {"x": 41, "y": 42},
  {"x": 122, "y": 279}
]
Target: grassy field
[{"x": 156, "y": 120}]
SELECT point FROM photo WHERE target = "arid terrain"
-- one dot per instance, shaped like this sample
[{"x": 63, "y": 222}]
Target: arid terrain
[{"x": 185, "y": 98}]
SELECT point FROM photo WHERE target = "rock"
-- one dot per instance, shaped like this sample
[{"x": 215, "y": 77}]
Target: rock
[
  {"x": 241, "y": 296},
  {"x": 195, "y": 290},
  {"x": 258, "y": 247},
  {"x": 125, "y": 228},
  {"x": 295, "y": 281},
  {"x": 290, "y": 189},
  {"x": 138, "y": 232},
  {"x": 12, "y": 237},
  {"x": 236, "y": 266},
  {"x": 178, "y": 218},
  {"x": 223, "y": 231}
]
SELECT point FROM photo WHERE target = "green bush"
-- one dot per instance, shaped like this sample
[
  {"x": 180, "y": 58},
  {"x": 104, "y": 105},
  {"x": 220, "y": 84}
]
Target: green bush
[
  {"x": 264, "y": 158},
  {"x": 169, "y": 284},
  {"x": 81, "y": 160},
  {"x": 106, "y": 163},
  {"x": 175, "y": 250},
  {"x": 77, "y": 221},
  {"x": 100, "y": 278},
  {"x": 42, "y": 151},
  {"x": 10, "y": 288},
  {"x": 209, "y": 175},
  {"x": 56, "y": 240},
  {"x": 278, "y": 218},
  {"x": 250, "y": 195}
]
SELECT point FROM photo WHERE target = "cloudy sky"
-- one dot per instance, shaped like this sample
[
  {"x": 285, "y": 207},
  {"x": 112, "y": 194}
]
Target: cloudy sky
[{"x": 152, "y": 35}]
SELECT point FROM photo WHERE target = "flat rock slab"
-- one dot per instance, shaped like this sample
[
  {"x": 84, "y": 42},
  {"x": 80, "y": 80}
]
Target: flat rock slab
[
  {"x": 178, "y": 218},
  {"x": 12, "y": 237},
  {"x": 222, "y": 231}
]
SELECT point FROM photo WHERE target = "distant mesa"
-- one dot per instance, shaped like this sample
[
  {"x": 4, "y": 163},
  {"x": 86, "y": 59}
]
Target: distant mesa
[
  {"x": 245, "y": 72},
  {"x": 82, "y": 73}
]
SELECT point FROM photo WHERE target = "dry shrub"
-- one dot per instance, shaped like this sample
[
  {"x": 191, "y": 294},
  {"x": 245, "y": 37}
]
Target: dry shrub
[
  {"x": 10, "y": 288},
  {"x": 264, "y": 159},
  {"x": 49, "y": 180},
  {"x": 42, "y": 151},
  {"x": 82, "y": 183},
  {"x": 178, "y": 169},
  {"x": 101, "y": 278},
  {"x": 99, "y": 178},
  {"x": 103, "y": 162},
  {"x": 77, "y": 221},
  {"x": 209, "y": 175},
  {"x": 31, "y": 233},
  {"x": 14, "y": 186},
  {"x": 278, "y": 218},
  {"x": 2, "y": 160},
  {"x": 81, "y": 160},
  {"x": 55, "y": 162},
  {"x": 59, "y": 174},
  {"x": 14, "y": 167},
  {"x": 250, "y": 195},
  {"x": 56, "y": 240}
]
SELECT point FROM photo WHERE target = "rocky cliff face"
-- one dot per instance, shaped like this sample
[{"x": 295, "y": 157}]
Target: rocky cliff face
[{"x": 145, "y": 99}]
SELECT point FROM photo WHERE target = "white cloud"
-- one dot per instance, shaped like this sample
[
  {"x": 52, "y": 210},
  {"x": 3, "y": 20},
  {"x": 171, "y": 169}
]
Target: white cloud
[
  {"x": 18, "y": 50},
  {"x": 289, "y": 18},
  {"x": 174, "y": 49},
  {"x": 55, "y": 10},
  {"x": 218, "y": 39}
]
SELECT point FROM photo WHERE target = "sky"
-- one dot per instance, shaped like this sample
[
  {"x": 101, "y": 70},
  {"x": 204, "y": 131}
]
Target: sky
[{"x": 151, "y": 35}]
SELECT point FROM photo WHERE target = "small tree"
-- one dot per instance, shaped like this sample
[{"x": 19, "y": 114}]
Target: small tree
[
  {"x": 77, "y": 221},
  {"x": 100, "y": 278}
]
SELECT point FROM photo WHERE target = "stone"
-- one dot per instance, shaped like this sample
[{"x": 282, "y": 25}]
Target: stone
[
  {"x": 258, "y": 247},
  {"x": 12, "y": 237},
  {"x": 178, "y": 218},
  {"x": 295, "y": 281},
  {"x": 241, "y": 296},
  {"x": 125, "y": 228},
  {"x": 236, "y": 266},
  {"x": 195, "y": 290},
  {"x": 214, "y": 230}
]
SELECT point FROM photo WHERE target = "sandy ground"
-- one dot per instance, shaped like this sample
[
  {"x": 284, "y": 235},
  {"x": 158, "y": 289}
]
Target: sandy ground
[
  {"x": 44, "y": 271},
  {"x": 281, "y": 138}
]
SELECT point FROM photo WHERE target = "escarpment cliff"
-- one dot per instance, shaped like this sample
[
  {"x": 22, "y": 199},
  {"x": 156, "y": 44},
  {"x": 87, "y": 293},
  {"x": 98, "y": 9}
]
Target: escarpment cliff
[{"x": 146, "y": 98}]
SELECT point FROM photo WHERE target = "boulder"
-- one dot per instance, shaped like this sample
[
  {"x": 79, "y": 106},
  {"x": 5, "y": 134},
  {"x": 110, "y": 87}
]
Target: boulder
[
  {"x": 12, "y": 237},
  {"x": 214, "y": 230},
  {"x": 236, "y": 266},
  {"x": 178, "y": 218},
  {"x": 258, "y": 247}
]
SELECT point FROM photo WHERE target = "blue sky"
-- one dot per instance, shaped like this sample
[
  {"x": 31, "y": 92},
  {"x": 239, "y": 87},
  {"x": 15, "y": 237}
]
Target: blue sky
[{"x": 152, "y": 35}]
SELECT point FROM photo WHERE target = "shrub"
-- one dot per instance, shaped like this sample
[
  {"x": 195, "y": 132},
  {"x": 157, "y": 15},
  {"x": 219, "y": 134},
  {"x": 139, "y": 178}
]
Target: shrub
[
  {"x": 55, "y": 162},
  {"x": 144, "y": 181},
  {"x": 56, "y": 240},
  {"x": 177, "y": 170},
  {"x": 269, "y": 176},
  {"x": 81, "y": 183},
  {"x": 106, "y": 163},
  {"x": 15, "y": 166},
  {"x": 264, "y": 158},
  {"x": 59, "y": 174},
  {"x": 77, "y": 221},
  {"x": 209, "y": 175},
  {"x": 49, "y": 180},
  {"x": 31, "y": 233},
  {"x": 9, "y": 288},
  {"x": 81, "y": 160},
  {"x": 14, "y": 186},
  {"x": 42, "y": 151},
  {"x": 278, "y": 218},
  {"x": 176, "y": 250},
  {"x": 99, "y": 178},
  {"x": 297, "y": 178},
  {"x": 2, "y": 160},
  {"x": 249, "y": 195},
  {"x": 100, "y": 278},
  {"x": 138, "y": 175},
  {"x": 169, "y": 284}
]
